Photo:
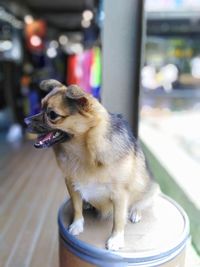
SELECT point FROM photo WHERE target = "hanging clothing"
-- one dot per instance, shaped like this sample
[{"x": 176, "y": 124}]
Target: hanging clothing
[
  {"x": 71, "y": 66},
  {"x": 84, "y": 69}
]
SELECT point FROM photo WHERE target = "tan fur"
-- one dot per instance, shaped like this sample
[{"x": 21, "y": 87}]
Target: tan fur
[{"x": 91, "y": 170}]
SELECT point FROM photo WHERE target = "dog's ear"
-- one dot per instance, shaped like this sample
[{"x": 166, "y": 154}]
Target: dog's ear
[
  {"x": 78, "y": 96},
  {"x": 48, "y": 85}
]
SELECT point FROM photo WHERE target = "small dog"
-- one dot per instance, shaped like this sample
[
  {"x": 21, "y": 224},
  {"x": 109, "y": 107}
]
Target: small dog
[{"x": 100, "y": 159}]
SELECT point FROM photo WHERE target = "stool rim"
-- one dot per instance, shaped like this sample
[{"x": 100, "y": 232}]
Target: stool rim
[{"x": 157, "y": 256}]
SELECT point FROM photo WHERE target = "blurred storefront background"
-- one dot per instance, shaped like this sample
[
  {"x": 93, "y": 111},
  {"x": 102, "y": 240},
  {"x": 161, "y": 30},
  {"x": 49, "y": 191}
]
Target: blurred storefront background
[
  {"x": 171, "y": 72},
  {"x": 41, "y": 40},
  {"x": 172, "y": 56},
  {"x": 170, "y": 101}
]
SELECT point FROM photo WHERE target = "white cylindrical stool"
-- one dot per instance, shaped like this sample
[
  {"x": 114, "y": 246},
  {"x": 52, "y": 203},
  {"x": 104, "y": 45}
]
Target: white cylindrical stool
[{"x": 159, "y": 239}]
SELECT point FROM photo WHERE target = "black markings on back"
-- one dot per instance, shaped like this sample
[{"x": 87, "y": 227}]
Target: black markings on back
[{"x": 121, "y": 136}]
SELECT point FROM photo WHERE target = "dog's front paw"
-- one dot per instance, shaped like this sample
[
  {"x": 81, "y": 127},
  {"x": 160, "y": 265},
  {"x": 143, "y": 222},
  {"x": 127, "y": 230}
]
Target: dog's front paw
[
  {"x": 116, "y": 241},
  {"x": 76, "y": 227}
]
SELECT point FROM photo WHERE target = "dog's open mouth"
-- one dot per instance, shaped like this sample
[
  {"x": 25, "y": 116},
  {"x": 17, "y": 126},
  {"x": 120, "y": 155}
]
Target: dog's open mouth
[{"x": 51, "y": 138}]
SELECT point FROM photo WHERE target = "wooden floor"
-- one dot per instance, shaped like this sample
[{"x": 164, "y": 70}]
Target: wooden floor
[{"x": 31, "y": 190}]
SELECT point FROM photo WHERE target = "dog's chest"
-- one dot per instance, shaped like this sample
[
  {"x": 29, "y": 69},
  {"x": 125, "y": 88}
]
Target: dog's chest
[{"x": 92, "y": 191}]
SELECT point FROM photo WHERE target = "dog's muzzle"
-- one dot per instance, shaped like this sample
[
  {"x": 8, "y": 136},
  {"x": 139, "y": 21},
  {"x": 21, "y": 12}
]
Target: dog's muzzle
[
  {"x": 36, "y": 124},
  {"x": 47, "y": 136}
]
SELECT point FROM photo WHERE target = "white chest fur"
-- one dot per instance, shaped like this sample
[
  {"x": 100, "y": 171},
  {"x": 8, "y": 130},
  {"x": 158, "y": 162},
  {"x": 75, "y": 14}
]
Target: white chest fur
[{"x": 92, "y": 191}]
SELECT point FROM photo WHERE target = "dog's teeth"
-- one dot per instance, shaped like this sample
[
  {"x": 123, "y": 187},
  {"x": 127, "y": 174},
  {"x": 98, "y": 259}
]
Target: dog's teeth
[{"x": 56, "y": 134}]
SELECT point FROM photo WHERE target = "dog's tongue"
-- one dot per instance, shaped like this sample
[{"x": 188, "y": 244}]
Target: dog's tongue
[{"x": 47, "y": 137}]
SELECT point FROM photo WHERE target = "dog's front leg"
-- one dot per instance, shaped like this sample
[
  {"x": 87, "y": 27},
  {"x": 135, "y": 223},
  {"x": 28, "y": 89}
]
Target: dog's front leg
[
  {"x": 116, "y": 241},
  {"x": 78, "y": 221}
]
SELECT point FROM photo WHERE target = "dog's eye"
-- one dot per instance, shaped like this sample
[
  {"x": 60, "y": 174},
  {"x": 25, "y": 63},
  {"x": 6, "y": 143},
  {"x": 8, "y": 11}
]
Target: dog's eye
[{"x": 52, "y": 115}]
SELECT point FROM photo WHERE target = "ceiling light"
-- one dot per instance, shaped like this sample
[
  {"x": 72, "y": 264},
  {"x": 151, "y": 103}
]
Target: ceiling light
[
  {"x": 85, "y": 24},
  {"x": 54, "y": 44},
  {"x": 28, "y": 19},
  {"x": 77, "y": 48},
  {"x": 63, "y": 40},
  {"x": 87, "y": 15},
  {"x": 5, "y": 45},
  {"x": 51, "y": 52},
  {"x": 35, "y": 40}
]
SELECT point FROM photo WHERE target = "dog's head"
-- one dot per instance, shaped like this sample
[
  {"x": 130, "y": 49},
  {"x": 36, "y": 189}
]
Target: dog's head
[{"x": 66, "y": 112}]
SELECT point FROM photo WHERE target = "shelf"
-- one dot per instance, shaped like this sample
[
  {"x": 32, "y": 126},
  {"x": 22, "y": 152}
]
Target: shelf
[{"x": 173, "y": 15}]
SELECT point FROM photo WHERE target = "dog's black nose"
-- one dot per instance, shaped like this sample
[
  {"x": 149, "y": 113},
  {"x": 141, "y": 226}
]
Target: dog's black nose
[{"x": 35, "y": 118}]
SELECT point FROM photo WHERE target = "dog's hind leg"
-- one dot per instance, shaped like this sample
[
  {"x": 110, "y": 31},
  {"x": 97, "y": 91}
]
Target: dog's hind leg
[{"x": 135, "y": 211}]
